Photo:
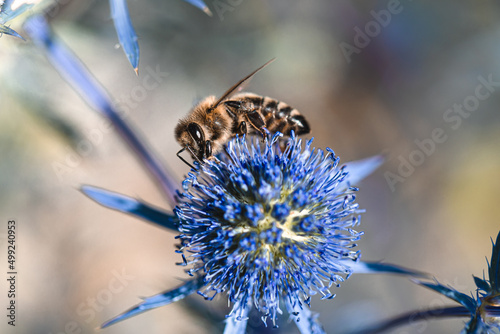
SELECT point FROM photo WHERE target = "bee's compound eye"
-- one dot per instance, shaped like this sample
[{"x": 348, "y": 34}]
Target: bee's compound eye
[{"x": 196, "y": 132}]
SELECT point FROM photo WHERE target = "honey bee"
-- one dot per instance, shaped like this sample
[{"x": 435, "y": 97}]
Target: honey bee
[{"x": 213, "y": 122}]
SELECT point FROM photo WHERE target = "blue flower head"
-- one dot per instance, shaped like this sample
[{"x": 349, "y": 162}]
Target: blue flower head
[
  {"x": 266, "y": 226},
  {"x": 269, "y": 224}
]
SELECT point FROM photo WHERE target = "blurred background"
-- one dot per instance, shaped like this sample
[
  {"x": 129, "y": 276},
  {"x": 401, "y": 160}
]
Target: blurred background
[{"x": 418, "y": 81}]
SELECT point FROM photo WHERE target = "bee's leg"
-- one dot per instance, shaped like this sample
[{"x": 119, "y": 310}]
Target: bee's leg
[
  {"x": 242, "y": 128},
  {"x": 256, "y": 120},
  {"x": 233, "y": 104}
]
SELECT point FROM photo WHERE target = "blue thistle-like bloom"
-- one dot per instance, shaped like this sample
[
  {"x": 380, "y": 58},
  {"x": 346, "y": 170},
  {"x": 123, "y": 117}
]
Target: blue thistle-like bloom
[
  {"x": 266, "y": 225},
  {"x": 291, "y": 212}
]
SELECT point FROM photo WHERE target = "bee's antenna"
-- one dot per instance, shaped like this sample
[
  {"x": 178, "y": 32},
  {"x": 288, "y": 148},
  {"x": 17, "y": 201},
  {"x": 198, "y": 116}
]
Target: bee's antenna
[
  {"x": 238, "y": 85},
  {"x": 182, "y": 159},
  {"x": 192, "y": 153}
]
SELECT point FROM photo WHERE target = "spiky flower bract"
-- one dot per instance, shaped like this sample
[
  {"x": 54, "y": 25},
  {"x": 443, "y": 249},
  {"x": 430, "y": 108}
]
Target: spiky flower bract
[
  {"x": 482, "y": 309},
  {"x": 269, "y": 225}
]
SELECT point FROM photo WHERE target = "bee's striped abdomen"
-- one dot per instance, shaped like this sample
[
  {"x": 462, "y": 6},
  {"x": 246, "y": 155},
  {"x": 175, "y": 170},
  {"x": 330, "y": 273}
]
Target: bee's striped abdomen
[
  {"x": 279, "y": 116},
  {"x": 268, "y": 113}
]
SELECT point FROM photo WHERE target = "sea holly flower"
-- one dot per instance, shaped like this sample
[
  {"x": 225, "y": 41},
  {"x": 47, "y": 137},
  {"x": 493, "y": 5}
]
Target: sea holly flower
[
  {"x": 265, "y": 226},
  {"x": 268, "y": 227}
]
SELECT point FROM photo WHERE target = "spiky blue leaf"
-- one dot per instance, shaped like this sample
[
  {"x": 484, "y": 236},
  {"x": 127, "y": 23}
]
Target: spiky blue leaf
[
  {"x": 201, "y": 5},
  {"x": 125, "y": 31},
  {"x": 494, "y": 266},
  {"x": 481, "y": 284},
  {"x": 8, "y": 31},
  {"x": 461, "y": 298},
  {"x": 362, "y": 267},
  {"x": 131, "y": 206},
  {"x": 158, "y": 300},
  {"x": 359, "y": 169},
  {"x": 73, "y": 71},
  {"x": 8, "y": 12}
]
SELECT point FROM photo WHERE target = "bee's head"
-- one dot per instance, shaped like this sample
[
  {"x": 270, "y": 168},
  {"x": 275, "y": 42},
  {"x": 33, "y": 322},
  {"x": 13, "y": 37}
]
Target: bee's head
[{"x": 192, "y": 138}]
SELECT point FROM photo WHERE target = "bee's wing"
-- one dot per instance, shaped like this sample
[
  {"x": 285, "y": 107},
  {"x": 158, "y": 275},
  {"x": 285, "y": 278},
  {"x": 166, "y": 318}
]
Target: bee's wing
[{"x": 240, "y": 84}]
